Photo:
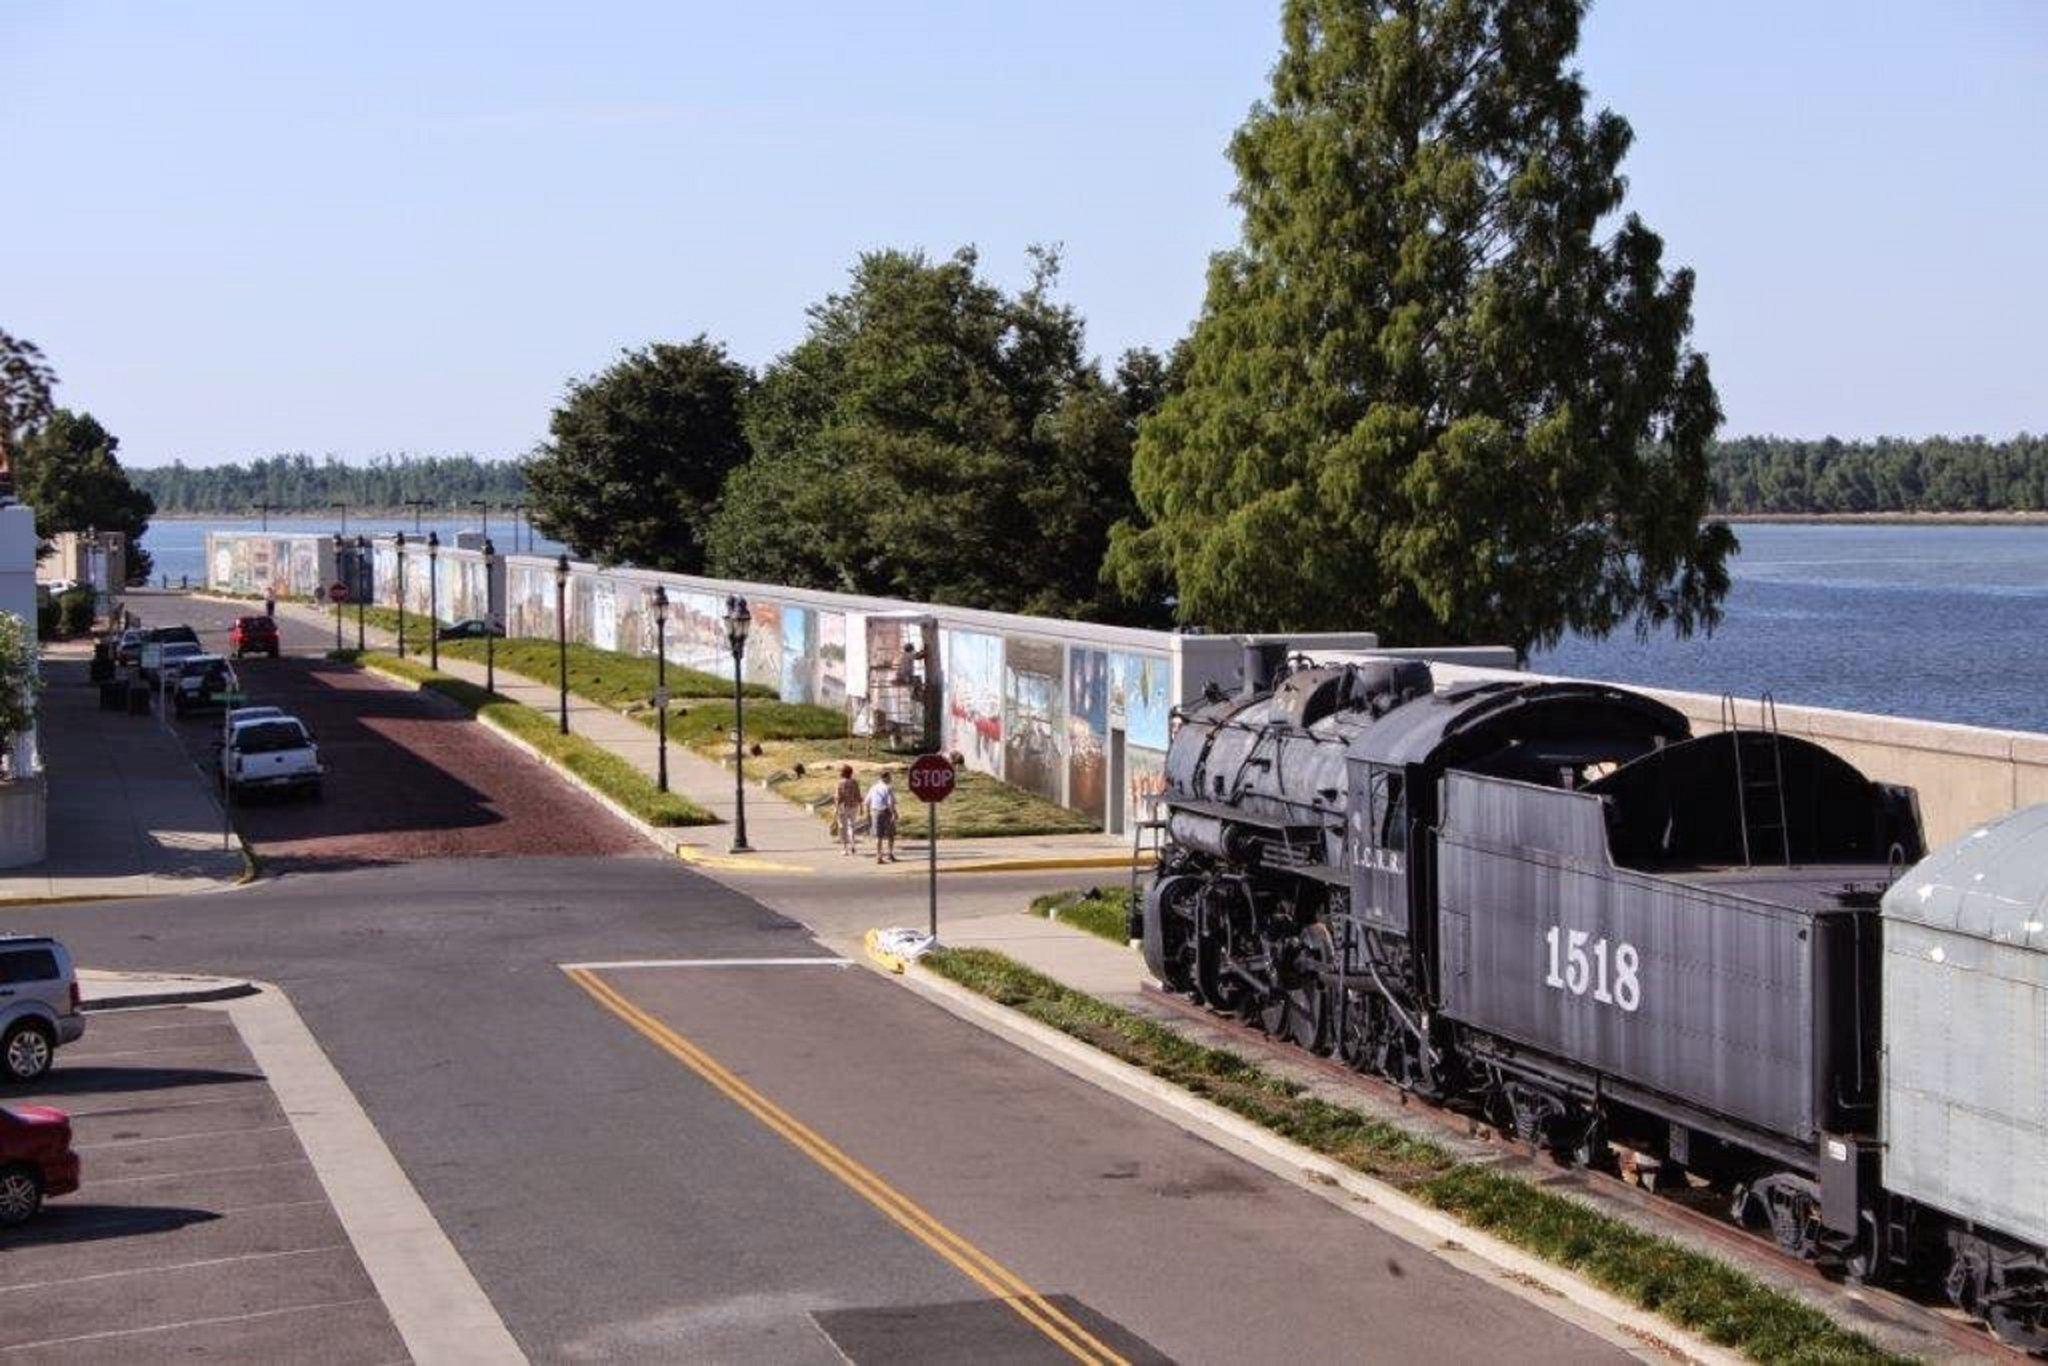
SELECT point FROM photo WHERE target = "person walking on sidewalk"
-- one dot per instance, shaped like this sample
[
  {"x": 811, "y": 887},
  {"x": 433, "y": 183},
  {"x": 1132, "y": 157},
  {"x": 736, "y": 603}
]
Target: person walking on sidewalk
[
  {"x": 882, "y": 809},
  {"x": 846, "y": 810}
]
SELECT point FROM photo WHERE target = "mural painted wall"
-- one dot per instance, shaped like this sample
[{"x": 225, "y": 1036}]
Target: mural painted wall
[
  {"x": 831, "y": 659},
  {"x": 1087, "y": 729},
  {"x": 1033, "y": 757},
  {"x": 286, "y": 566},
  {"x": 974, "y": 693},
  {"x": 1141, "y": 704}
]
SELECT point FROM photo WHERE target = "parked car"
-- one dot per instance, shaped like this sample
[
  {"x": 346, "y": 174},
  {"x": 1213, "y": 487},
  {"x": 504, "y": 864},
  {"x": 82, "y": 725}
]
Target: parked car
[
  {"x": 36, "y": 1160},
  {"x": 271, "y": 754},
  {"x": 241, "y": 714},
  {"x": 475, "y": 628},
  {"x": 128, "y": 646},
  {"x": 200, "y": 683},
  {"x": 158, "y": 654},
  {"x": 254, "y": 636},
  {"x": 38, "y": 1005}
]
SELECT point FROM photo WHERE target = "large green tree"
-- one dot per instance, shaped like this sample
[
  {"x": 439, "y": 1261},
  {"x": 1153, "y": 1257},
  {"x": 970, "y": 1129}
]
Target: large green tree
[
  {"x": 935, "y": 437},
  {"x": 25, "y": 383},
  {"x": 636, "y": 455},
  {"x": 1438, "y": 390},
  {"x": 68, "y": 471}
]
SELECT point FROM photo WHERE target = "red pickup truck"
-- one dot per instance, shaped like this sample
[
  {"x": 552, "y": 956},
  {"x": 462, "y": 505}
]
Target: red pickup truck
[{"x": 254, "y": 636}]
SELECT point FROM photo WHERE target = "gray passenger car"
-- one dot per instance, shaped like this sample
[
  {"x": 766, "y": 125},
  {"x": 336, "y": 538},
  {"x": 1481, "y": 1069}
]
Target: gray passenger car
[{"x": 39, "y": 1009}]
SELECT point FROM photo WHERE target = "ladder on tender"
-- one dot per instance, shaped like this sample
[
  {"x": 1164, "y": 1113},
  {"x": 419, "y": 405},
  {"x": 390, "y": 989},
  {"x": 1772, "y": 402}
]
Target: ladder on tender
[
  {"x": 1760, "y": 804},
  {"x": 1147, "y": 837}
]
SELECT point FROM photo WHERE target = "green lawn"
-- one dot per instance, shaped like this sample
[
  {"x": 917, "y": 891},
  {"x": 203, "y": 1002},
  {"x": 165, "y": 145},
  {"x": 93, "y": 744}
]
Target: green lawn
[
  {"x": 622, "y": 682},
  {"x": 1098, "y": 910},
  {"x": 1697, "y": 1292},
  {"x": 599, "y": 767}
]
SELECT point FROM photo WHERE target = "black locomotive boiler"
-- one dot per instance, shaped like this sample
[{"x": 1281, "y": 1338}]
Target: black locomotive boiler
[{"x": 1552, "y": 902}]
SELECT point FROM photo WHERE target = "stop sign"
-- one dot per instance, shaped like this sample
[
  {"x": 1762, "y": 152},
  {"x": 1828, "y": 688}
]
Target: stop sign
[
  {"x": 931, "y": 778},
  {"x": 337, "y": 591}
]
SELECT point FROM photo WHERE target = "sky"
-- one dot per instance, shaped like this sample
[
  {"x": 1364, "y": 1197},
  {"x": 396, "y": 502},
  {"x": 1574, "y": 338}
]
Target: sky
[{"x": 242, "y": 228}]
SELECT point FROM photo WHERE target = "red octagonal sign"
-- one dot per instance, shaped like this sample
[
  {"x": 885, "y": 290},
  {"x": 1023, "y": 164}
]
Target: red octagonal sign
[{"x": 931, "y": 778}]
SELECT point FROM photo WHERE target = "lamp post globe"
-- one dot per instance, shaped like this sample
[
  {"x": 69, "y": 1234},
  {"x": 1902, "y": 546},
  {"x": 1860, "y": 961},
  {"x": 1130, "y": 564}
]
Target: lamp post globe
[
  {"x": 661, "y": 686},
  {"x": 362, "y": 585},
  {"x": 737, "y": 621},
  {"x": 398, "y": 541},
  {"x": 434, "y": 599},
  {"x": 490, "y": 617},
  {"x": 562, "y": 634}
]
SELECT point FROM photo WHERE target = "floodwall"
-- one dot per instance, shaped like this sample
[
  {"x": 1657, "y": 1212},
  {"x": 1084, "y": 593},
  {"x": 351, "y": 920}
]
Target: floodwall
[{"x": 280, "y": 564}]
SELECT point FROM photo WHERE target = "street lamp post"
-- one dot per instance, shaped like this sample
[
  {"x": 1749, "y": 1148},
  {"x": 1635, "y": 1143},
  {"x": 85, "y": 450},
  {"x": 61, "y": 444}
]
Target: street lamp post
[
  {"x": 483, "y": 508},
  {"x": 399, "y": 541},
  {"x": 737, "y": 620},
  {"x": 340, "y": 549},
  {"x": 361, "y": 586},
  {"x": 434, "y": 599},
  {"x": 344, "y": 521},
  {"x": 661, "y": 686},
  {"x": 562, "y": 633},
  {"x": 490, "y": 618}
]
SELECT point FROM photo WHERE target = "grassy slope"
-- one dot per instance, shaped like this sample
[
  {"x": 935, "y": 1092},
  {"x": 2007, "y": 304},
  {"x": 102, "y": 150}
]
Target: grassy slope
[
  {"x": 1695, "y": 1291},
  {"x": 980, "y": 806},
  {"x": 599, "y": 767}
]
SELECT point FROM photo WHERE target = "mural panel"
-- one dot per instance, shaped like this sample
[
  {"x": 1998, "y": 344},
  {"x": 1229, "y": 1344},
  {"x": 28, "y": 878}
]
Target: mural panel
[
  {"x": 974, "y": 691},
  {"x": 697, "y": 632},
  {"x": 764, "y": 643},
  {"x": 797, "y": 683},
  {"x": 1032, "y": 697},
  {"x": 1140, "y": 698},
  {"x": 1087, "y": 729},
  {"x": 604, "y": 615},
  {"x": 831, "y": 659}
]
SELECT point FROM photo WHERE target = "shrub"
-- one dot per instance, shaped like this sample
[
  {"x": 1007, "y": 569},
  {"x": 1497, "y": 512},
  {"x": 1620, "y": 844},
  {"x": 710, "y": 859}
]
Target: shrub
[{"x": 75, "y": 611}]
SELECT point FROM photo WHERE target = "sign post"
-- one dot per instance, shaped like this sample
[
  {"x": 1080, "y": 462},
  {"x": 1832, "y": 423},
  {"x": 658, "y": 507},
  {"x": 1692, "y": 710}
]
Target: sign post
[{"x": 931, "y": 782}]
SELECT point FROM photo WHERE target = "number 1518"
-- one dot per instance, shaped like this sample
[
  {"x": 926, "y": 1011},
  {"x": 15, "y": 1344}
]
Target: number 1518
[{"x": 1582, "y": 966}]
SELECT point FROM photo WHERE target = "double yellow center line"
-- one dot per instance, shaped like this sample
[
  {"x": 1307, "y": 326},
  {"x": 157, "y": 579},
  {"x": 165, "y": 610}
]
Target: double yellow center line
[{"x": 966, "y": 1258}]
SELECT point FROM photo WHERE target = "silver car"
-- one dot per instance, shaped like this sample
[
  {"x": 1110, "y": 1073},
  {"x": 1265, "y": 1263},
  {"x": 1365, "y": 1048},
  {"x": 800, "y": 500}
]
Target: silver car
[{"x": 39, "y": 1009}]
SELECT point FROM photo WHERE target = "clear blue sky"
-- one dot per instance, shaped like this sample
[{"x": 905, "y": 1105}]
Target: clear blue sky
[{"x": 238, "y": 228}]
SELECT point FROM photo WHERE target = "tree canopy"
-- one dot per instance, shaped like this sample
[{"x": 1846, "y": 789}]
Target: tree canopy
[
  {"x": 298, "y": 483},
  {"x": 636, "y": 456},
  {"x": 68, "y": 472},
  {"x": 1435, "y": 390},
  {"x": 1932, "y": 474},
  {"x": 935, "y": 438},
  {"x": 25, "y": 383}
]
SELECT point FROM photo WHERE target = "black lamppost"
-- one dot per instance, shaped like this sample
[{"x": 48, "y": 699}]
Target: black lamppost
[
  {"x": 562, "y": 632},
  {"x": 361, "y": 585},
  {"x": 661, "y": 686},
  {"x": 340, "y": 550},
  {"x": 490, "y": 618},
  {"x": 484, "y": 508},
  {"x": 434, "y": 599},
  {"x": 399, "y": 541},
  {"x": 737, "y": 621}
]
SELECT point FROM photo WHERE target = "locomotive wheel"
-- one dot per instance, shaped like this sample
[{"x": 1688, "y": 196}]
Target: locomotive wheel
[{"x": 1308, "y": 999}]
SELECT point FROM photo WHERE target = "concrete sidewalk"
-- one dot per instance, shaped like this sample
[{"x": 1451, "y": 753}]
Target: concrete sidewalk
[{"x": 128, "y": 813}]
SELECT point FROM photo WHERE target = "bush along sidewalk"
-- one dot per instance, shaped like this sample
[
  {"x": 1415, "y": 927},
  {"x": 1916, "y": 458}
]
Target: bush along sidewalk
[
  {"x": 1696, "y": 1292},
  {"x": 603, "y": 770}
]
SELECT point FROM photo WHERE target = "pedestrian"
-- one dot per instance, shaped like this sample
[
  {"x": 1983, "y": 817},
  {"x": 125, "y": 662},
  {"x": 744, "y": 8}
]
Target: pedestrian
[
  {"x": 882, "y": 810},
  {"x": 846, "y": 810},
  {"x": 270, "y": 605}
]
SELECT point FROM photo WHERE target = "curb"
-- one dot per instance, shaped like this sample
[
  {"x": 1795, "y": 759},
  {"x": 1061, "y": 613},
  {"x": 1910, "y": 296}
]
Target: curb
[
  {"x": 1507, "y": 1268},
  {"x": 1055, "y": 861},
  {"x": 233, "y": 991}
]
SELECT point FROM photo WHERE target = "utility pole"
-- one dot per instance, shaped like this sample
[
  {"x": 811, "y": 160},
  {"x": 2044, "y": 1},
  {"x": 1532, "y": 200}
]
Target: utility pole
[
  {"x": 484, "y": 509},
  {"x": 264, "y": 510},
  {"x": 417, "y": 504},
  {"x": 518, "y": 511},
  {"x": 344, "y": 517}
]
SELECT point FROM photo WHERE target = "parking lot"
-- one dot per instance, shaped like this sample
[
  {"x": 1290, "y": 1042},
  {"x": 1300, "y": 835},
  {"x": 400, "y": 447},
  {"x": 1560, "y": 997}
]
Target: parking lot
[
  {"x": 199, "y": 1228},
  {"x": 410, "y": 776}
]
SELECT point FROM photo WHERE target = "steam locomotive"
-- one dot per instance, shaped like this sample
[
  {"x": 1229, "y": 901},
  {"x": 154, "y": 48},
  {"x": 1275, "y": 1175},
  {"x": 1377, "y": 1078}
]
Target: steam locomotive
[{"x": 1552, "y": 903}]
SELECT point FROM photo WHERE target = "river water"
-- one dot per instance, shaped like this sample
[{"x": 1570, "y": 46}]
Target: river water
[
  {"x": 1946, "y": 623},
  {"x": 178, "y": 545},
  {"x": 1943, "y": 622}
]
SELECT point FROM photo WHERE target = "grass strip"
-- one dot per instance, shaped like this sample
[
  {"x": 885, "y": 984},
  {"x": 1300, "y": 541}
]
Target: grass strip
[
  {"x": 1719, "y": 1302},
  {"x": 599, "y": 767},
  {"x": 982, "y": 806},
  {"x": 1098, "y": 911}
]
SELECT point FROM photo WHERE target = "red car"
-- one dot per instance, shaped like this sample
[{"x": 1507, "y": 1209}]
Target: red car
[
  {"x": 35, "y": 1160},
  {"x": 254, "y": 636}
]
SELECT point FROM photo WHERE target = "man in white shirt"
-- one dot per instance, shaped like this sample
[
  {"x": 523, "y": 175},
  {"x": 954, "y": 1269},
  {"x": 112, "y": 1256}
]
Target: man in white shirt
[{"x": 882, "y": 815}]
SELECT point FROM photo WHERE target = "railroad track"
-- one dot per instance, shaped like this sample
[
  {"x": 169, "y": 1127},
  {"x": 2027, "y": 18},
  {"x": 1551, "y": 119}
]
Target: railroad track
[{"x": 1864, "y": 1302}]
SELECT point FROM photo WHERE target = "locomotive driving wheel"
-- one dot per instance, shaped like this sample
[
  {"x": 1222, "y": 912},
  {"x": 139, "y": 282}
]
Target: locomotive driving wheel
[{"x": 1308, "y": 995}]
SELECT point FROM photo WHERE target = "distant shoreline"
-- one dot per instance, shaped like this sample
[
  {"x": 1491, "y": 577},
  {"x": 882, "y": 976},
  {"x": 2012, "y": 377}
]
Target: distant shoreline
[{"x": 1891, "y": 518}]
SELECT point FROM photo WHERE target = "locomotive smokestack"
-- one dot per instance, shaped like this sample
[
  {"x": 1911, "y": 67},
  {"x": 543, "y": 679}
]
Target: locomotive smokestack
[{"x": 1263, "y": 661}]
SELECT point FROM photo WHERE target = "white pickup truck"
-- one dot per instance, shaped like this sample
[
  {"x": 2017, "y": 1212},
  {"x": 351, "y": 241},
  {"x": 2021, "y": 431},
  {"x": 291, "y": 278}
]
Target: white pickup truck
[{"x": 271, "y": 752}]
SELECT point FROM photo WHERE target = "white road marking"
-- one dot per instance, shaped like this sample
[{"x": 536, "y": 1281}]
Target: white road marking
[
  {"x": 187, "y": 1323},
  {"x": 99, "y": 1181},
  {"x": 713, "y": 963},
  {"x": 180, "y": 1138},
  {"x": 174, "y": 1266}
]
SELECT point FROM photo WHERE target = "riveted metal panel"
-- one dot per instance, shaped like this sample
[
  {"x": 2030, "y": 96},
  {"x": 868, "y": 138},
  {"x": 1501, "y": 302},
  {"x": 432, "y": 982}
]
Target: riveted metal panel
[
  {"x": 1719, "y": 1003},
  {"x": 1966, "y": 1074}
]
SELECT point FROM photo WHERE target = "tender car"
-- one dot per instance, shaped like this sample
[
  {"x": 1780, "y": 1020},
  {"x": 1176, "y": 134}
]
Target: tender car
[
  {"x": 201, "y": 683},
  {"x": 38, "y": 1005},
  {"x": 475, "y": 628},
  {"x": 36, "y": 1160},
  {"x": 254, "y": 636},
  {"x": 271, "y": 754}
]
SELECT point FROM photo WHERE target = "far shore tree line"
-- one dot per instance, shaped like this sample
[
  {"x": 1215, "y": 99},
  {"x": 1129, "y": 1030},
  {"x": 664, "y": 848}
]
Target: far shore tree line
[{"x": 1443, "y": 385}]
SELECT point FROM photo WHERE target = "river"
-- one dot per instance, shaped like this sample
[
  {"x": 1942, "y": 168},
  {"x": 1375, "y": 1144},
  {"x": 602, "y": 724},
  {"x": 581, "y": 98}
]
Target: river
[{"x": 1944, "y": 622}]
